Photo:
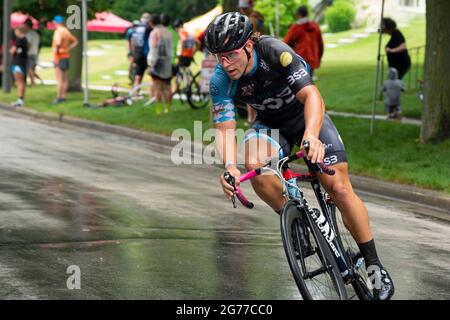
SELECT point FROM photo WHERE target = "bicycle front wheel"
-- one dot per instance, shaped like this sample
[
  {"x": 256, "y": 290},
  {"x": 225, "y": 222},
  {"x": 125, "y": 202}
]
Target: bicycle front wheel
[
  {"x": 196, "y": 98},
  {"x": 311, "y": 261}
]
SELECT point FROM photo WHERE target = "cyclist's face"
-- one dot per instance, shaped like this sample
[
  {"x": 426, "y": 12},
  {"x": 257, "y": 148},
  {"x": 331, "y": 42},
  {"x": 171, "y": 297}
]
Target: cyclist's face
[{"x": 234, "y": 62}]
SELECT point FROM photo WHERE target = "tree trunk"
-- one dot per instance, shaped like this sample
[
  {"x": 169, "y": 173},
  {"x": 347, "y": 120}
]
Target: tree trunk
[
  {"x": 76, "y": 62},
  {"x": 436, "y": 109},
  {"x": 230, "y": 5}
]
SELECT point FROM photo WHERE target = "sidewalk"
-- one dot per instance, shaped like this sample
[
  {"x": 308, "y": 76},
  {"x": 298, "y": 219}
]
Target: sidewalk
[
  {"x": 377, "y": 117},
  {"x": 439, "y": 201}
]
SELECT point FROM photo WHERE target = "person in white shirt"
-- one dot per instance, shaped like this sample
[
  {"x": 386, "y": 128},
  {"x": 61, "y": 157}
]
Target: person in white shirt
[{"x": 34, "y": 40}]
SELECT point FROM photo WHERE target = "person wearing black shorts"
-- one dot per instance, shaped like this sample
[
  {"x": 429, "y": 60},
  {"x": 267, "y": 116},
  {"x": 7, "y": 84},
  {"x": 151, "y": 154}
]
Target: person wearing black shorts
[{"x": 268, "y": 75}]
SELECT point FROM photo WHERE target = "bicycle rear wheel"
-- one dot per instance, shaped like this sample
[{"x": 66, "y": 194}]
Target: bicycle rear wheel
[
  {"x": 360, "y": 284},
  {"x": 312, "y": 263},
  {"x": 196, "y": 98},
  {"x": 180, "y": 88}
]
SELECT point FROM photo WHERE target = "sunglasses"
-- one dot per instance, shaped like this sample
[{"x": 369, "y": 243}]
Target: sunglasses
[{"x": 230, "y": 56}]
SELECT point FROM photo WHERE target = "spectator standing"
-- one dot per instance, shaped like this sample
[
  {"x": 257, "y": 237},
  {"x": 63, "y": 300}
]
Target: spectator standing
[
  {"x": 140, "y": 48},
  {"x": 187, "y": 45},
  {"x": 34, "y": 44},
  {"x": 63, "y": 42},
  {"x": 160, "y": 61},
  {"x": 128, "y": 35},
  {"x": 392, "y": 89},
  {"x": 396, "y": 51},
  {"x": 305, "y": 38},
  {"x": 19, "y": 52}
]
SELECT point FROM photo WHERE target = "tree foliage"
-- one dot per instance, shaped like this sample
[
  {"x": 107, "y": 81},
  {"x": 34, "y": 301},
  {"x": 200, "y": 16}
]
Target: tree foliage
[
  {"x": 230, "y": 5},
  {"x": 287, "y": 9},
  {"x": 177, "y": 9},
  {"x": 47, "y": 9}
]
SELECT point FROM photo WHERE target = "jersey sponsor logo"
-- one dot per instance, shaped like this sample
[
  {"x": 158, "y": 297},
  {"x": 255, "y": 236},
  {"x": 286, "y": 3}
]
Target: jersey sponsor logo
[
  {"x": 300, "y": 73},
  {"x": 267, "y": 83},
  {"x": 285, "y": 97},
  {"x": 328, "y": 161},
  {"x": 248, "y": 90},
  {"x": 264, "y": 65},
  {"x": 286, "y": 59}
]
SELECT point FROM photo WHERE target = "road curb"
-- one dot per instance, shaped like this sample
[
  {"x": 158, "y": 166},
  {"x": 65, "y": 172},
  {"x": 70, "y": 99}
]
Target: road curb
[{"x": 438, "y": 200}]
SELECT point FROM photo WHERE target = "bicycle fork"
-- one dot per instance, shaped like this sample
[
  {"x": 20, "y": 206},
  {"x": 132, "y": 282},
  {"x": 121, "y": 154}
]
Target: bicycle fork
[{"x": 323, "y": 221}]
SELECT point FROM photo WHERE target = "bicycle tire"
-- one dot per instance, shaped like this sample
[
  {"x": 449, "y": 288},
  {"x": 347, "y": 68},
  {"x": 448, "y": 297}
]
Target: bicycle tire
[
  {"x": 351, "y": 250},
  {"x": 293, "y": 218},
  {"x": 179, "y": 88},
  {"x": 197, "y": 99}
]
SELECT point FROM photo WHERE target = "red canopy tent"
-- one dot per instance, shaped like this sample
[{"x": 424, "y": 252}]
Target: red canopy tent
[
  {"x": 18, "y": 18},
  {"x": 108, "y": 22},
  {"x": 103, "y": 22}
]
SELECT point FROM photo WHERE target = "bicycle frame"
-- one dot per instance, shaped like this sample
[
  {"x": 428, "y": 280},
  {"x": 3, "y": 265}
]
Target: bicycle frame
[{"x": 293, "y": 192}]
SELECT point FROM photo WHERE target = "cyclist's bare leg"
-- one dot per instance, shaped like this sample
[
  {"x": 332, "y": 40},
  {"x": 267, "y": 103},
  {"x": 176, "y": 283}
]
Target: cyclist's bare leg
[
  {"x": 354, "y": 212},
  {"x": 267, "y": 186}
]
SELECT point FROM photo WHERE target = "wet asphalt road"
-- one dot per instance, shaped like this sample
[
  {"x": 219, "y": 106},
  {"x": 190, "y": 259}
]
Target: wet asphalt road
[{"x": 139, "y": 227}]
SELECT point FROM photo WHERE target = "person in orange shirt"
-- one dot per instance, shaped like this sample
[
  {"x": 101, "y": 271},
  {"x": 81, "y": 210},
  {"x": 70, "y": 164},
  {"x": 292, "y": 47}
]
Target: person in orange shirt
[
  {"x": 63, "y": 42},
  {"x": 187, "y": 45},
  {"x": 305, "y": 38}
]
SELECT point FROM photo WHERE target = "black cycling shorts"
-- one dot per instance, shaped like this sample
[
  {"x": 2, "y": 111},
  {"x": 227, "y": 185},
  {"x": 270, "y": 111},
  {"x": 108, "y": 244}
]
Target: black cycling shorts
[
  {"x": 291, "y": 132},
  {"x": 140, "y": 66}
]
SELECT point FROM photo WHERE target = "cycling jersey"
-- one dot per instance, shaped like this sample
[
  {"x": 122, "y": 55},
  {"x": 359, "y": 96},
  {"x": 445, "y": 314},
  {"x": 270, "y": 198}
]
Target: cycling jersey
[{"x": 278, "y": 73}]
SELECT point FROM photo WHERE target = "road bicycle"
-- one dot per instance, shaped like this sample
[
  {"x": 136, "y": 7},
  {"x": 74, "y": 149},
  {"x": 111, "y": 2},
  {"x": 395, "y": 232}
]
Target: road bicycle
[
  {"x": 188, "y": 88},
  {"x": 323, "y": 257}
]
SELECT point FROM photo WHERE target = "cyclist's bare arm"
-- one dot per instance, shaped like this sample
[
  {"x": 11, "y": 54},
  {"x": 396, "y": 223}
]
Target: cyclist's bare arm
[
  {"x": 226, "y": 146},
  {"x": 314, "y": 113}
]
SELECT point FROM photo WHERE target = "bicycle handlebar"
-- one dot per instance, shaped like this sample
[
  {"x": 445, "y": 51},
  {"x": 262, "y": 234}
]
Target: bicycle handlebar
[{"x": 256, "y": 172}]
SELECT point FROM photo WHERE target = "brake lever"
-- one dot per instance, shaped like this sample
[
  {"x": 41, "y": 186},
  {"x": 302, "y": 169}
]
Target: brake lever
[
  {"x": 317, "y": 165},
  {"x": 232, "y": 182}
]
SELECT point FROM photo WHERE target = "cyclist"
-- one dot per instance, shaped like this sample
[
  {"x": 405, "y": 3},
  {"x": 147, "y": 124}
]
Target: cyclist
[{"x": 269, "y": 76}]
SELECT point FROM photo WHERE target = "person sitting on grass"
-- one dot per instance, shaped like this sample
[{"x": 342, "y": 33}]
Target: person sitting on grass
[{"x": 19, "y": 52}]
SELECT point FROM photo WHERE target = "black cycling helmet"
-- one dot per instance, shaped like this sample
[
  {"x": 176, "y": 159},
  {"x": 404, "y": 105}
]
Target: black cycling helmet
[{"x": 227, "y": 32}]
